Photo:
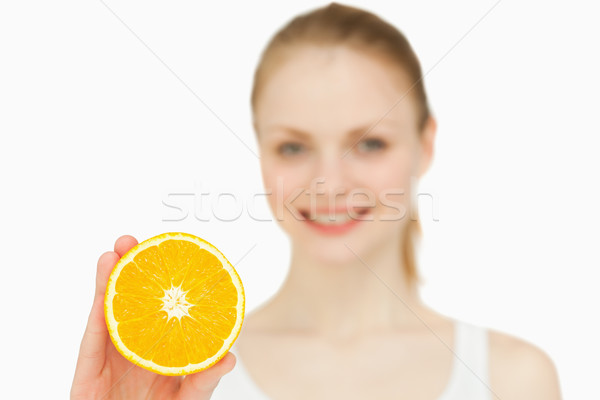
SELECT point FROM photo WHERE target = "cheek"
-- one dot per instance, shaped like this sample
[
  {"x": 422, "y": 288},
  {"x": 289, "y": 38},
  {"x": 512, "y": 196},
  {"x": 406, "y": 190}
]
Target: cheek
[
  {"x": 396, "y": 177},
  {"x": 391, "y": 172},
  {"x": 284, "y": 182},
  {"x": 392, "y": 186}
]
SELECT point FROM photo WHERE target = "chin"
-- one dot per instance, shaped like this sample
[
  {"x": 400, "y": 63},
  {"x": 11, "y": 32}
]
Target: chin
[{"x": 334, "y": 251}]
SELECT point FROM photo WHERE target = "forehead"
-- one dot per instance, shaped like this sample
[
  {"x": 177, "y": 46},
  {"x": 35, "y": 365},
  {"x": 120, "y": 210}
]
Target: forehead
[{"x": 333, "y": 89}]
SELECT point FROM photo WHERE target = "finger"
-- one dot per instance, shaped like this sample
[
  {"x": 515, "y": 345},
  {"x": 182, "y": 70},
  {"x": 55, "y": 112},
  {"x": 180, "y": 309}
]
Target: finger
[
  {"x": 93, "y": 344},
  {"x": 92, "y": 351},
  {"x": 124, "y": 244},
  {"x": 106, "y": 263},
  {"x": 201, "y": 384}
]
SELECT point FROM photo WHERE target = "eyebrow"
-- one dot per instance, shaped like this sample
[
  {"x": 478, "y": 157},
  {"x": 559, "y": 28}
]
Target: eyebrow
[{"x": 351, "y": 134}]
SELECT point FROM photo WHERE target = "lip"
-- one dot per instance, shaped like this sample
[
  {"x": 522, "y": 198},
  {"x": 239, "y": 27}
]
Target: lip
[{"x": 333, "y": 229}]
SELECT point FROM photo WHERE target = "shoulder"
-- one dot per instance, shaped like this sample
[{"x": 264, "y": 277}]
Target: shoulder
[{"x": 521, "y": 370}]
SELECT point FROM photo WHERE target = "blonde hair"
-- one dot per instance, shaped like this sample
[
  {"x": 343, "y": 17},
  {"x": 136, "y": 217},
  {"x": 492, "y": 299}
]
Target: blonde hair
[{"x": 337, "y": 24}]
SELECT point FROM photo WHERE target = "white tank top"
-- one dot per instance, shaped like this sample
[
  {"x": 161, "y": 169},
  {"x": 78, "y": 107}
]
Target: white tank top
[{"x": 469, "y": 378}]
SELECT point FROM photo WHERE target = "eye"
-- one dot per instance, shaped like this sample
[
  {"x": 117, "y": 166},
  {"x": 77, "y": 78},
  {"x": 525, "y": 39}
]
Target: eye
[
  {"x": 371, "y": 145},
  {"x": 290, "y": 148}
]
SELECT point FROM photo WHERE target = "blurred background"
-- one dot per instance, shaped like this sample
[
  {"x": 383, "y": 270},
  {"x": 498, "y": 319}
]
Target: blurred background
[{"x": 133, "y": 117}]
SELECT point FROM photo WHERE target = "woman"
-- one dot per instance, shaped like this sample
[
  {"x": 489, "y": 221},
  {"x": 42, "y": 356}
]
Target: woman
[{"x": 344, "y": 132}]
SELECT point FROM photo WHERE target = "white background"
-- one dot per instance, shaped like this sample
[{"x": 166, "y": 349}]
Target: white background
[{"x": 97, "y": 132}]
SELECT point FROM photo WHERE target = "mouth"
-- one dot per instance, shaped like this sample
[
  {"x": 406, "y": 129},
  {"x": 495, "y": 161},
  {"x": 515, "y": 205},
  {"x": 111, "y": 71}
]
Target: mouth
[
  {"x": 334, "y": 222},
  {"x": 333, "y": 218}
]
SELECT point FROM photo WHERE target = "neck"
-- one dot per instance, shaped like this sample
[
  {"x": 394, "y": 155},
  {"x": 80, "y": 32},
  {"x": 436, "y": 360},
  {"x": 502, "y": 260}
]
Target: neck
[{"x": 365, "y": 293}]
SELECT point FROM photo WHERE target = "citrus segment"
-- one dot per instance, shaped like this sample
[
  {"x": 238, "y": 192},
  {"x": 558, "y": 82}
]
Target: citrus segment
[
  {"x": 170, "y": 349},
  {"x": 141, "y": 335},
  {"x": 154, "y": 266},
  {"x": 133, "y": 280},
  {"x": 199, "y": 272},
  {"x": 174, "y": 304},
  {"x": 215, "y": 289},
  {"x": 128, "y": 307},
  {"x": 178, "y": 257},
  {"x": 219, "y": 319},
  {"x": 201, "y": 345}
]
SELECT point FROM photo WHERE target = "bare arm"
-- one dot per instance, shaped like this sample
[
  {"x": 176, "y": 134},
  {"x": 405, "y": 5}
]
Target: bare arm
[{"x": 521, "y": 370}]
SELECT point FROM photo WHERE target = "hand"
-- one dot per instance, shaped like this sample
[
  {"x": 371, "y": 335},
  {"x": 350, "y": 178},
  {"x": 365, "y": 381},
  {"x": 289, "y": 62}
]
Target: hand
[{"x": 103, "y": 373}]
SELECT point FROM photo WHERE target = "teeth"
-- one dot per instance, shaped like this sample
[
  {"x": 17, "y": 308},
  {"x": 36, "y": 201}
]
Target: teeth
[{"x": 338, "y": 219}]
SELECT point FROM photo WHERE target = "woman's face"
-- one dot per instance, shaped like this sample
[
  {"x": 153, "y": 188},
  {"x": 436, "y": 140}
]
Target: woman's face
[{"x": 334, "y": 189}]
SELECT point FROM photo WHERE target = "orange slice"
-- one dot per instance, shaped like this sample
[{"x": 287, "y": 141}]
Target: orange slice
[{"x": 174, "y": 304}]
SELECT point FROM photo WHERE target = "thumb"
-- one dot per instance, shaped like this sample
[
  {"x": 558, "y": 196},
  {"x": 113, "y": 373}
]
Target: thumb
[
  {"x": 93, "y": 345},
  {"x": 200, "y": 385}
]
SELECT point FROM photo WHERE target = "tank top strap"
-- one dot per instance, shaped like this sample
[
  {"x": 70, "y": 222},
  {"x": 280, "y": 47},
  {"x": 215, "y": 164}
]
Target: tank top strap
[{"x": 470, "y": 374}]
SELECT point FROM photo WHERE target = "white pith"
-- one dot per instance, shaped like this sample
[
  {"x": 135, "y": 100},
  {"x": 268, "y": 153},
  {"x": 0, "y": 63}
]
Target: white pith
[{"x": 174, "y": 303}]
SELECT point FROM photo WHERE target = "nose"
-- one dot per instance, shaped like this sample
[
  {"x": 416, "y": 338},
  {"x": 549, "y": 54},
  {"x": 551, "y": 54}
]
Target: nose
[{"x": 332, "y": 175}]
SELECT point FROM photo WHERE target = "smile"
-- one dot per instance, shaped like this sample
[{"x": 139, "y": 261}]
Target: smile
[{"x": 334, "y": 223}]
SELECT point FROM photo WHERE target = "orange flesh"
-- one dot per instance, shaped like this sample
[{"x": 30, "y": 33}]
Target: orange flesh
[{"x": 203, "y": 323}]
